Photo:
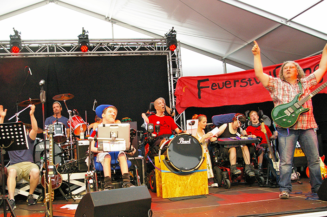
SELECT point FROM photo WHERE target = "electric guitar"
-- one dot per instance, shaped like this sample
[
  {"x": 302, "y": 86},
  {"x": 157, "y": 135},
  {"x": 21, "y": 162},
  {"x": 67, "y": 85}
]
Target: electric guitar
[
  {"x": 323, "y": 169},
  {"x": 286, "y": 115},
  {"x": 272, "y": 154},
  {"x": 54, "y": 175}
]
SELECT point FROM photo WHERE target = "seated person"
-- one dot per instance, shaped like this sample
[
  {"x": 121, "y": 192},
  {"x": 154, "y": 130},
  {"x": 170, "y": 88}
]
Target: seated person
[
  {"x": 167, "y": 123},
  {"x": 233, "y": 129},
  {"x": 204, "y": 139},
  {"x": 21, "y": 163},
  {"x": 109, "y": 114},
  {"x": 255, "y": 129}
]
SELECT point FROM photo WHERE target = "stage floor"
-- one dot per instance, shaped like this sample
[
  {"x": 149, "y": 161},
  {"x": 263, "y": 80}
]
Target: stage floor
[{"x": 240, "y": 200}]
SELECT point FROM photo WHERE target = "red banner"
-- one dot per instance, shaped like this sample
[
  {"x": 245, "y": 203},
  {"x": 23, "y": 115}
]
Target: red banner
[{"x": 237, "y": 88}]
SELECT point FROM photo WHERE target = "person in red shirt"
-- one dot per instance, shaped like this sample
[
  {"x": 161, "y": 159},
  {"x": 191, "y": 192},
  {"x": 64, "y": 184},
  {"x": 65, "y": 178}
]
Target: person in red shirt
[
  {"x": 255, "y": 129},
  {"x": 166, "y": 123}
]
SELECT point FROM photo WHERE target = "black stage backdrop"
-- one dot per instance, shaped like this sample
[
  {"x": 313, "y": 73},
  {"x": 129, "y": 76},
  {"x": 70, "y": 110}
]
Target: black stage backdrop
[{"x": 128, "y": 82}]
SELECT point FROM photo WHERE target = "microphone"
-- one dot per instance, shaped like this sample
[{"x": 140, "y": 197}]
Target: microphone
[
  {"x": 94, "y": 104},
  {"x": 42, "y": 82},
  {"x": 157, "y": 128},
  {"x": 42, "y": 91},
  {"x": 28, "y": 69}
]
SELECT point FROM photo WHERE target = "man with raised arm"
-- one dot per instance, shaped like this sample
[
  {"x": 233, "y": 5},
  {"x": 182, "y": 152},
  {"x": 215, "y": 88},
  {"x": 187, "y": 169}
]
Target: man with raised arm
[{"x": 291, "y": 82}]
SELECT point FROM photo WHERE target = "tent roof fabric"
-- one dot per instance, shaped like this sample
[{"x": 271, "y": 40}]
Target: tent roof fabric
[{"x": 222, "y": 30}]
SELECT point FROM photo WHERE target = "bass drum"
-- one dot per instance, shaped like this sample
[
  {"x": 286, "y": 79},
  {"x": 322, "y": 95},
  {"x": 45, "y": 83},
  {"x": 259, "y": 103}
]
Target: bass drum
[
  {"x": 184, "y": 153},
  {"x": 39, "y": 152}
]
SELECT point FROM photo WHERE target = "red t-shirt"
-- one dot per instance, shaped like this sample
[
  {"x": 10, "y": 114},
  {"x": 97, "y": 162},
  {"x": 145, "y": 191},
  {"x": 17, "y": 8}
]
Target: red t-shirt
[
  {"x": 167, "y": 124},
  {"x": 250, "y": 130}
]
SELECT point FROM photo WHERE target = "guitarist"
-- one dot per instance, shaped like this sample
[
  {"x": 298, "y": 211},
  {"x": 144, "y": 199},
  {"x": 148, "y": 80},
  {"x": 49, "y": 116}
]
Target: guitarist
[
  {"x": 291, "y": 82},
  {"x": 21, "y": 163},
  {"x": 255, "y": 129}
]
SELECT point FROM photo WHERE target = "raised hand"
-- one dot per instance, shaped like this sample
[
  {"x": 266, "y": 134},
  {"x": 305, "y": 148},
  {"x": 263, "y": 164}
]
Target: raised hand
[
  {"x": 32, "y": 110},
  {"x": 255, "y": 48},
  {"x": 3, "y": 113}
]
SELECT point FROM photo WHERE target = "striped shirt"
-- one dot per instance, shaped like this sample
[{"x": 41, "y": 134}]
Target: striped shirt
[{"x": 283, "y": 92}]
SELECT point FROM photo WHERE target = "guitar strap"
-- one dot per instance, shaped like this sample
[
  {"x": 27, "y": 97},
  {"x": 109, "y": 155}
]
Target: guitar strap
[{"x": 300, "y": 85}]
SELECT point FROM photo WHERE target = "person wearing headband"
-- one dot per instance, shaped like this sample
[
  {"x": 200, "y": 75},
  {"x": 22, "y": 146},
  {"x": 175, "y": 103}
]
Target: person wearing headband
[{"x": 233, "y": 129}]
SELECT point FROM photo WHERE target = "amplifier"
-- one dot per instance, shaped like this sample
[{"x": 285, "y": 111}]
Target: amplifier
[{"x": 82, "y": 147}]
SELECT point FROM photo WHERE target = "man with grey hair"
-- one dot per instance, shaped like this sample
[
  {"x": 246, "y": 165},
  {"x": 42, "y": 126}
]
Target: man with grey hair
[{"x": 283, "y": 90}]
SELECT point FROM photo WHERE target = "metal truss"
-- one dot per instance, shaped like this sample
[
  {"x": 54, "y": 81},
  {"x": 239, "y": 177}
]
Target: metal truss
[{"x": 106, "y": 47}]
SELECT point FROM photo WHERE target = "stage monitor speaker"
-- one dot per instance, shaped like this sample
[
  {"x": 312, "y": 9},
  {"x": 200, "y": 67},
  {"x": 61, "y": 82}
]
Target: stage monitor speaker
[
  {"x": 133, "y": 201},
  {"x": 82, "y": 147},
  {"x": 322, "y": 192}
]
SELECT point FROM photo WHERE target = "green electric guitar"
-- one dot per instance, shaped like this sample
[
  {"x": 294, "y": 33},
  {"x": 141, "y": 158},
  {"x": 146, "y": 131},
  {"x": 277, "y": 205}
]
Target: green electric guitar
[{"x": 286, "y": 115}]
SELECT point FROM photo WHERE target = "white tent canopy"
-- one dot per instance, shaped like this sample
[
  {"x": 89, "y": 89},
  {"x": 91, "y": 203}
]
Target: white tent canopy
[{"x": 216, "y": 36}]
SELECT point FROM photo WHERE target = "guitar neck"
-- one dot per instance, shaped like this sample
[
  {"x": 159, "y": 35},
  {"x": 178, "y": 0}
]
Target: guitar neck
[
  {"x": 309, "y": 96},
  {"x": 50, "y": 150}
]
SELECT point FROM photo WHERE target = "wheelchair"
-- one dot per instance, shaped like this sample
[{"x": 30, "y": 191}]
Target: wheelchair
[
  {"x": 95, "y": 178},
  {"x": 220, "y": 158}
]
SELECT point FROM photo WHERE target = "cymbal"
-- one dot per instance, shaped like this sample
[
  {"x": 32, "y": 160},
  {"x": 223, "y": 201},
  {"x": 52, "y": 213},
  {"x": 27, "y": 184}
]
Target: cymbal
[
  {"x": 28, "y": 102},
  {"x": 29, "y": 126},
  {"x": 62, "y": 97}
]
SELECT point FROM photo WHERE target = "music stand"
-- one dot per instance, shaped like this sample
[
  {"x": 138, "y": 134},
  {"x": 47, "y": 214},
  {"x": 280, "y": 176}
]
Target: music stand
[{"x": 12, "y": 137}]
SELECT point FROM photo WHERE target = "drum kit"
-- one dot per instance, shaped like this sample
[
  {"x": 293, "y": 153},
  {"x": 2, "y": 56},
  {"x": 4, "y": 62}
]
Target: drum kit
[{"x": 65, "y": 148}]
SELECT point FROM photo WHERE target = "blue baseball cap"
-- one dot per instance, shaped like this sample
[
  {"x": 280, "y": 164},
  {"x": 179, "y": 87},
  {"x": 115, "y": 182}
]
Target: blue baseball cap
[{"x": 100, "y": 108}]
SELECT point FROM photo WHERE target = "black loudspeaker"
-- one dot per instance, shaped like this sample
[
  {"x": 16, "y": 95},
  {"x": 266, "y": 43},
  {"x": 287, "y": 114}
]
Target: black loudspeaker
[
  {"x": 133, "y": 201},
  {"x": 322, "y": 192},
  {"x": 82, "y": 147}
]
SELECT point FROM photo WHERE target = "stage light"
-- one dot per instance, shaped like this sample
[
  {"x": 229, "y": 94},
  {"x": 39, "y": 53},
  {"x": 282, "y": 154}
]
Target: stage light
[
  {"x": 171, "y": 40},
  {"x": 83, "y": 41},
  {"x": 15, "y": 42}
]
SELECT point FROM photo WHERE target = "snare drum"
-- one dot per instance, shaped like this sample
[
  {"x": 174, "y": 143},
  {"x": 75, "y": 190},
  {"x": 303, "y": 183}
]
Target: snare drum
[
  {"x": 77, "y": 123},
  {"x": 59, "y": 135},
  {"x": 184, "y": 153}
]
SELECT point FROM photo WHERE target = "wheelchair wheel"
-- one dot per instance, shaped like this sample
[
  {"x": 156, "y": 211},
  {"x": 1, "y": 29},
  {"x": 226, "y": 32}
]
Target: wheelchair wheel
[
  {"x": 227, "y": 184},
  {"x": 249, "y": 180},
  {"x": 261, "y": 181},
  {"x": 152, "y": 181},
  {"x": 218, "y": 176}
]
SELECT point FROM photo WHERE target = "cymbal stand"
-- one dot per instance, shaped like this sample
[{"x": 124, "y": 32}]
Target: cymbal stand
[
  {"x": 71, "y": 148},
  {"x": 18, "y": 113},
  {"x": 70, "y": 130}
]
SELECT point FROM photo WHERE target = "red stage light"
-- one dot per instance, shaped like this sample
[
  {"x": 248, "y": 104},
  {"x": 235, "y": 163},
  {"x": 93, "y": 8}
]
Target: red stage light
[
  {"x": 84, "y": 48},
  {"x": 15, "y": 49},
  {"x": 172, "y": 47}
]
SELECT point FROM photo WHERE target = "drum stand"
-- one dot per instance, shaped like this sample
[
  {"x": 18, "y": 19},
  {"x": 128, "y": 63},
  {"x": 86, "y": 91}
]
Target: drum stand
[{"x": 71, "y": 154}]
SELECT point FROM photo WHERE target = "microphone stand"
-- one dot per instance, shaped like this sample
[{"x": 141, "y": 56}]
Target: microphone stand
[{"x": 43, "y": 100}]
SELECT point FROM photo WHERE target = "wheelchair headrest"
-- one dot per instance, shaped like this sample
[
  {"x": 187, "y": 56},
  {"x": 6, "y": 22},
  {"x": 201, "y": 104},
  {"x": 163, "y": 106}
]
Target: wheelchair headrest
[
  {"x": 100, "y": 108},
  {"x": 222, "y": 119},
  {"x": 151, "y": 107}
]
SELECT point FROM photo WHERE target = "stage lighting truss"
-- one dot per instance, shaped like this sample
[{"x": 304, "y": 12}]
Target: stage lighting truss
[
  {"x": 15, "y": 42},
  {"x": 107, "y": 47},
  {"x": 171, "y": 39},
  {"x": 83, "y": 41}
]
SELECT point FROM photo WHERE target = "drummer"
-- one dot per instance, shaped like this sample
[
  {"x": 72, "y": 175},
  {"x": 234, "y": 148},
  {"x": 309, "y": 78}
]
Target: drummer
[
  {"x": 57, "y": 117},
  {"x": 166, "y": 123}
]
